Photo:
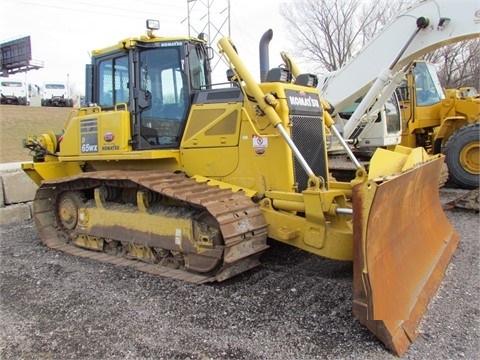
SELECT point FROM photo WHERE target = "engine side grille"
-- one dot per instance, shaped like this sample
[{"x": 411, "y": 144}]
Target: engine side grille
[{"x": 307, "y": 134}]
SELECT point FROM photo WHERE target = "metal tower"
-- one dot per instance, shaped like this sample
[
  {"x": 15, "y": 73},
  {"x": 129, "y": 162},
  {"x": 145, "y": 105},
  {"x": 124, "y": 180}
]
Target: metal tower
[{"x": 211, "y": 17}]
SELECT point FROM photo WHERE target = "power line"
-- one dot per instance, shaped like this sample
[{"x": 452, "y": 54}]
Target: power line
[{"x": 90, "y": 8}]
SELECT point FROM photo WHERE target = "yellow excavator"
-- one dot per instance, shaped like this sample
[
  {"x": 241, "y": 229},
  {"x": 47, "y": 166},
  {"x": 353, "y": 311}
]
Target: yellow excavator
[{"x": 173, "y": 175}]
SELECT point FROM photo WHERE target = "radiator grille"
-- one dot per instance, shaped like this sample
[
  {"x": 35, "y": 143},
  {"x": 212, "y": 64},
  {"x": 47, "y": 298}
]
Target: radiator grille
[{"x": 307, "y": 134}]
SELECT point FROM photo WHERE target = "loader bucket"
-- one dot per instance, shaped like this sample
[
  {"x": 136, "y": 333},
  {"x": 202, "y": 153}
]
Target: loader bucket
[{"x": 403, "y": 243}]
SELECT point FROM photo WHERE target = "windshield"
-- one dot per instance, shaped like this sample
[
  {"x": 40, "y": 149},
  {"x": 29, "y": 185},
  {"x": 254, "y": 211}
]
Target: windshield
[
  {"x": 428, "y": 88},
  {"x": 11, "y": 84},
  {"x": 54, "y": 86}
]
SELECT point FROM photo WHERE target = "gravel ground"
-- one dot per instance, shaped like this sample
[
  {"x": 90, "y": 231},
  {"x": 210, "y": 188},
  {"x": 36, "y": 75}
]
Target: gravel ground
[{"x": 296, "y": 306}]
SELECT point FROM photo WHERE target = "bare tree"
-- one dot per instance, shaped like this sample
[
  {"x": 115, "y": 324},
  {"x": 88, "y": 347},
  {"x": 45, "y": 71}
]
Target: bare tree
[
  {"x": 329, "y": 32},
  {"x": 458, "y": 64}
]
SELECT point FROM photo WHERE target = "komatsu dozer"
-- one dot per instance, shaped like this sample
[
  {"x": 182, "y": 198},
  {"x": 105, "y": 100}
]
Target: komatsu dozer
[{"x": 173, "y": 175}]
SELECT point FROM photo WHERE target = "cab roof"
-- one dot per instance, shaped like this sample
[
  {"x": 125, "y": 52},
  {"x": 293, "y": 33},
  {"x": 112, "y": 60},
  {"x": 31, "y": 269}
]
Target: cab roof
[{"x": 129, "y": 43}]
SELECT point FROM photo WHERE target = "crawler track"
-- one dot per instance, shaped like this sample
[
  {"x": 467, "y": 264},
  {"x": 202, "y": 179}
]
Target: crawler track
[{"x": 61, "y": 205}]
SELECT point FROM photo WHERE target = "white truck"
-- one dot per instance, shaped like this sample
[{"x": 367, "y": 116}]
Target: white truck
[
  {"x": 13, "y": 92},
  {"x": 56, "y": 94}
]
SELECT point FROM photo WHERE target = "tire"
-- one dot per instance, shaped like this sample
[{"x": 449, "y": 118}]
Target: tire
[
  {"x": 443, "y": 176},
  {"x": 462, "y": 152}
]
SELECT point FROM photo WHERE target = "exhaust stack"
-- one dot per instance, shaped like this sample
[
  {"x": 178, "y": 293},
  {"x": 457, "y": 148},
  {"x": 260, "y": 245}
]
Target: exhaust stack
[{"x": 264, "y": 56}]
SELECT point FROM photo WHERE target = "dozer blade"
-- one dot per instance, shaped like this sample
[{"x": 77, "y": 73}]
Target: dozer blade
[{"x": 403, "y": 243}]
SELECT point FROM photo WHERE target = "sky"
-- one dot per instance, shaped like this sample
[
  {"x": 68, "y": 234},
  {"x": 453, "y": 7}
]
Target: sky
[{"x": 64, "y": 32}]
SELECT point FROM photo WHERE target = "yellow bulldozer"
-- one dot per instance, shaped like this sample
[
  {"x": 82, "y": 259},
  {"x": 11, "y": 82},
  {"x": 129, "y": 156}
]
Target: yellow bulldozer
[{"x": 176, "y": 176}]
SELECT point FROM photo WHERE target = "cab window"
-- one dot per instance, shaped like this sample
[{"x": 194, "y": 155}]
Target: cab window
[{"x": 113, "y": 82}]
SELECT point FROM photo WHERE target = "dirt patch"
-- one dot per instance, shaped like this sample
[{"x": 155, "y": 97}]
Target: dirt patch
[{"x": 18, "y": 121}]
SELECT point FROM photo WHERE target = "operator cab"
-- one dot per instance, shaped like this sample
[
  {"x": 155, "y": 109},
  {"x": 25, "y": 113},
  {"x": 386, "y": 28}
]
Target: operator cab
[
  {"x": 428, "y": 89},
  {"x": 155, "y": 78}
]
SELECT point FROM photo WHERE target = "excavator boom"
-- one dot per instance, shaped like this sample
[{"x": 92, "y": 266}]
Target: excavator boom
[
  {"x": 412, "y": 112},
  {"x": 448, "y": 22}
]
